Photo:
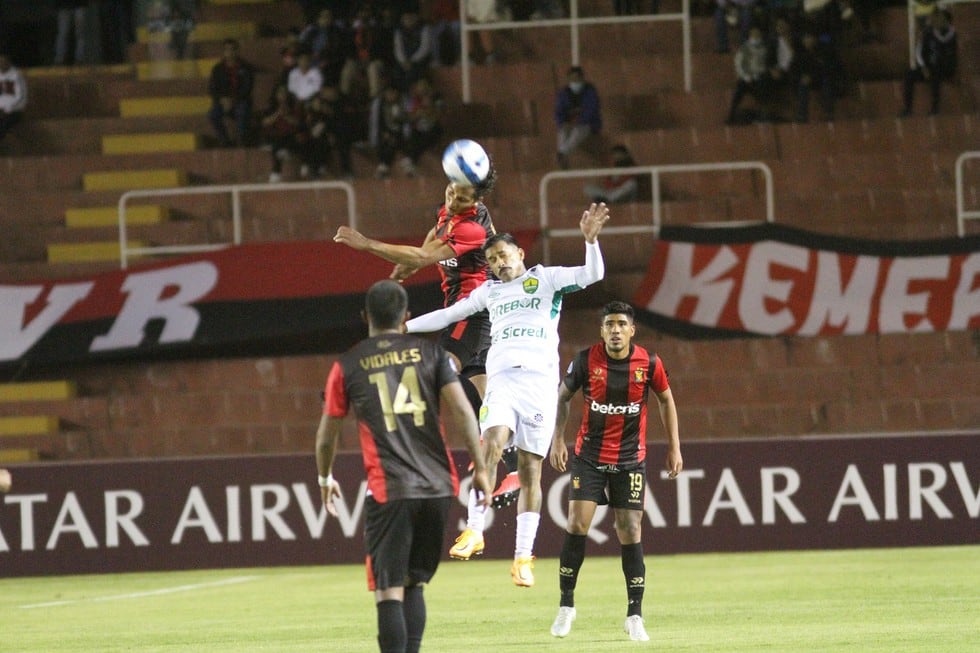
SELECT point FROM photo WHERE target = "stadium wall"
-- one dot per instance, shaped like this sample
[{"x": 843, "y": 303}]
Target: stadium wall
[{"x": 734, "y": 495}]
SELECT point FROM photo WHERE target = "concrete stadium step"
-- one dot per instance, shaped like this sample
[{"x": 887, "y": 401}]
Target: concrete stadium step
[
  {"x": 202, "y": 32},
  {"x": 188, "y": 105},
  {"x": 38, "y": 391},
  {"x": 178, "y": 69},
  {"x": 87, "y": 252},
  {"x": 56, "y": 136},
  {"x": 134, "y": 179},
  {"x": 149, "y": 143},
  {"x": 108, "y": 216},
  {"x": 29, "y": 425}
]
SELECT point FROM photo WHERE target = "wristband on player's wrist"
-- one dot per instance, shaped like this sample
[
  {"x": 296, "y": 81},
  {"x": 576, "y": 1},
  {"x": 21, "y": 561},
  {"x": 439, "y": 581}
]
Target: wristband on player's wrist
[{"x": 325, "y": 481}]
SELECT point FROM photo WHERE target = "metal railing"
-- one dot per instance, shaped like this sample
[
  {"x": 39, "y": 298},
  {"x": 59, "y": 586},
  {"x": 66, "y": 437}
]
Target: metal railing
[
  {"x": 654, "y": 171},
  {"x": 962, "y": 215},
  {"x": 236, "y": 191},
  {"x": 572, "y": 22}
]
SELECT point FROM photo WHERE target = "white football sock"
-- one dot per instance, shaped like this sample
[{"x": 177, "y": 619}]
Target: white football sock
[
  {"x": 527, "y": 530},
  {"x": 476, "y": 515}
]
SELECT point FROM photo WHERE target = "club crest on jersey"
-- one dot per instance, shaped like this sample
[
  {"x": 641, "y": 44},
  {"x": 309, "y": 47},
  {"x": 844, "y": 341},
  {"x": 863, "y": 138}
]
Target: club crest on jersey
[
  {"x": 483, "y": 413},
  {"x": 597, "y": 373},
  {"x": 640, "y": 375},
  {"x": 530, "y": 286},
  {"x": 576, "y": 482}
]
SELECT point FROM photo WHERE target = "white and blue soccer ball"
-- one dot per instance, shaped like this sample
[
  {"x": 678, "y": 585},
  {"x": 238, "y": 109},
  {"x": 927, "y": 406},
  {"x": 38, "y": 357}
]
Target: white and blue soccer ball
[{"x": 466, "y": 162}]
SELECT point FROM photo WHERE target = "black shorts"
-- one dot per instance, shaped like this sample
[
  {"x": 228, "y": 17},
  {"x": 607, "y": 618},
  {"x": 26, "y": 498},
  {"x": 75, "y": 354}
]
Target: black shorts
[
  {"x": 404, "y": 540},
  {"x": 625, "y": 486},
  {"x": 468, "y": 340}
]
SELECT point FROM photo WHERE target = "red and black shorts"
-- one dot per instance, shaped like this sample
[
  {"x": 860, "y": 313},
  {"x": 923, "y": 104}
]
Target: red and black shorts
[
  {"x": 468, "y": 340},
  {"x": 608, "y": 484},
  {"x": 404, "y": 540}
]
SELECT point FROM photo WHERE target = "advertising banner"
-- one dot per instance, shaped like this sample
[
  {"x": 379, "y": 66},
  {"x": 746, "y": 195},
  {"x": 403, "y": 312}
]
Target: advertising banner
[
  {"x": 776, "y": 280},
  {"x": 738, "y": 495}
]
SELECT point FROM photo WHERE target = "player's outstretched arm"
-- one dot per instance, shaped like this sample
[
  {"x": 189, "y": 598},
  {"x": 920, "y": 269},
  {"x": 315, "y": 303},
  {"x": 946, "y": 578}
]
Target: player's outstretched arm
[
  {"x": 668, "y": 415},
  {"x": 461, "y": 417},
  {"x": 443, "y": 317},
  {"x": 432, "y": 251}
]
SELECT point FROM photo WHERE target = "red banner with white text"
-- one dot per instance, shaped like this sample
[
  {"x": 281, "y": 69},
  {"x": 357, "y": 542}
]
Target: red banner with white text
[{"x": 776, "y": 280}]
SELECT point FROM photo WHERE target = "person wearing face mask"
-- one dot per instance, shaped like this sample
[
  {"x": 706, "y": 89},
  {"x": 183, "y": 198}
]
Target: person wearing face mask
[
  {"x": 577, "y": 114},
  {"x": 752, "y": 68}
]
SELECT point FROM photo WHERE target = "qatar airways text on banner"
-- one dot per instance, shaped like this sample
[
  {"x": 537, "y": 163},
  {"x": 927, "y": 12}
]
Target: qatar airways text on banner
[
  {"x": 775, "y": 280},
  {"x": 733, "y": 495}
]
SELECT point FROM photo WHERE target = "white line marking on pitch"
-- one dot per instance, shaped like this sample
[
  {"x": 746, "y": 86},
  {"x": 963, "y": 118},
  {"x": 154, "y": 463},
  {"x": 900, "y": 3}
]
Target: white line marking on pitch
[{"x": 138, "y": 595}]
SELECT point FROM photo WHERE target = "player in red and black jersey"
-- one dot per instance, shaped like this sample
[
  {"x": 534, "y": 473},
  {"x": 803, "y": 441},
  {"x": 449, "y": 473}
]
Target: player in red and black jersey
[
  {"x": 399, "y": 385},
  {"x": 615, "y": 377},
  {"x": 463, "y": 224}
]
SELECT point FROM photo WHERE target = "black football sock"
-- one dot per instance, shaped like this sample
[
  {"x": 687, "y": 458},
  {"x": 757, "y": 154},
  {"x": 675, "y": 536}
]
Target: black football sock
[
  {"x": 391, "y": 627},
  {"x": 635, "y": 571},
  {"x": 570, "y": 562},
  {"x": 414, "y": 609}
]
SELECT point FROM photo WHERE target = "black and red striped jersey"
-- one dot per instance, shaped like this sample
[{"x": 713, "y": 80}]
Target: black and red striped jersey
[
  {"x": 465, "y": 234},
  {"x": 393, "y": 382},
  {"x": 614, "y": 415}
]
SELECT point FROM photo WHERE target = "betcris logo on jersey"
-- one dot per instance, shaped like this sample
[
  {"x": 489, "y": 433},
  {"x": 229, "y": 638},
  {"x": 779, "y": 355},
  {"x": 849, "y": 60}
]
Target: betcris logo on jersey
[
  {"x": 614, "y": 409},
  {"x": 449, "y": 263}
]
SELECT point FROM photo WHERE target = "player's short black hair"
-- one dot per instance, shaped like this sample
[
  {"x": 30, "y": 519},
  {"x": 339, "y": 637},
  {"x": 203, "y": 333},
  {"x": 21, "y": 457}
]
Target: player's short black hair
[
  {"x": 499, "y": 238},
  {"x": 617, "y": 307},
  {"x": 386, "y": 304}
]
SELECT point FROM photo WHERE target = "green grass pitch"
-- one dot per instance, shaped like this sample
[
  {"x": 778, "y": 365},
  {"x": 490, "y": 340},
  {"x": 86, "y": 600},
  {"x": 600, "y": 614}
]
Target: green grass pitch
[{"x": 908, "y": 600}]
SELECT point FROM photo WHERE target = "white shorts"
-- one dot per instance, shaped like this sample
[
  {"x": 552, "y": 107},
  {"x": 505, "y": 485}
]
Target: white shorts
[{"x": 524, "y": 401}]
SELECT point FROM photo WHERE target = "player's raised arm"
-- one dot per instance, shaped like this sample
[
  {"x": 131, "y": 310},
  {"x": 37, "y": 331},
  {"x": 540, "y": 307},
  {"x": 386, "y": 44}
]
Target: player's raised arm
[
  {"x": 593, "y": 219},
  {"x": 591, "y": 224}
]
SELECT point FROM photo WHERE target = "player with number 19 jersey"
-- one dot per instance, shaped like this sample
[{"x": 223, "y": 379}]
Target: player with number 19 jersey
[
  {"x": 394, "y": 381},
  {"x": 613, "y": 428}
]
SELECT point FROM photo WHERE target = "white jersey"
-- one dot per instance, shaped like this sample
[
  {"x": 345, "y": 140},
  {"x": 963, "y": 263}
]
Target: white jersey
[{"x": 523, "y": 313}]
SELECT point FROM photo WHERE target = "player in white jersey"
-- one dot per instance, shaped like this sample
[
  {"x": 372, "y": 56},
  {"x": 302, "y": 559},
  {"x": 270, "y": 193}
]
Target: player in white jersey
[{"x": 522, "y": 371}]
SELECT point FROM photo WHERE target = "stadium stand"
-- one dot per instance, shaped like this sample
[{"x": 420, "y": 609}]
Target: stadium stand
[{"x": 92, "y": 132}]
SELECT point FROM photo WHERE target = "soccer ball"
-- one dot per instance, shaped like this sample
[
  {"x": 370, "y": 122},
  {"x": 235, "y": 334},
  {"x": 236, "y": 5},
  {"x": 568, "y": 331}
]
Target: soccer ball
[{"x": 466, "y": 162}]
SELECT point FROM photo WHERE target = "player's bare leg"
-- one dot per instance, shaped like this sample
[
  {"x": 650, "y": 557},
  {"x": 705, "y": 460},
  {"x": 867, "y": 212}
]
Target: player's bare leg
[{"x": 470, "y": 542}]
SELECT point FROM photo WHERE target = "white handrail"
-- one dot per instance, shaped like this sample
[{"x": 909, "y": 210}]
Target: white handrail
[
  {"x": 236, "y": 190},
  {"x": 654, "y": 171},
  {"x": 572, "y": 22},
  {"x": 962, "y": 215}
]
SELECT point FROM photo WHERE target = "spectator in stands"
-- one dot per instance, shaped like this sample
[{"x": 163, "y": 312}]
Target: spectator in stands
[
  {"x": 413, "y": 50},
  {"x": 782, "y": 52},
  {"x": 752, "y": 69},
  {"x": 329, "y": 123},
  {"x": 305, "y": 79},
  {"x": 444, "y": 27},
  {"x": 732, "y": 13},
  {"x": 13, "y": 95},
  {"x": 283, "y": 129},
  {"x": 289, "y": 55},
  {"x": 813, "y": 70},
  {"x": 72, "y": 23},
  {"x": 386, "y": 128},
  {"x": 482, "y": 12},
  {"x": 372, "y": 52},
  {"x": 6, "y": 480},
  {"x": 935, "y": 60},
  {"x": 424, "y": 119},
  {"x": 577, "y": 114},
  {"x": 230, "y": 86},
  {"x": 616, "y": 188},
  {"x": 329, "y": 41},
  {"x": 116, "y": 20}
]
